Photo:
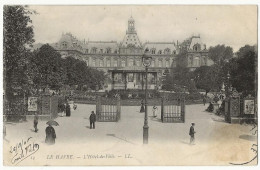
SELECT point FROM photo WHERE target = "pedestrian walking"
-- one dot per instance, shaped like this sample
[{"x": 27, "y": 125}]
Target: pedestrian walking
[
  {"x": 204, "y": 100},
  {"x": 35, "y": 122},
  {"x": 192, "y": 134},
  {"x": 154, "y": 111},
  {"x": 67, "y": 110},
  {"x": 142, "y": 106},
  {"x": 50, "y": 135},
  {"x": 92, "y": 119}
]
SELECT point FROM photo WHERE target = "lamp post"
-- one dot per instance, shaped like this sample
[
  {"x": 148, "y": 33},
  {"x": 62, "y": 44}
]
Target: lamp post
[
  {"x": 228, "y": 83},
  {"x": 146, "y": 62}
]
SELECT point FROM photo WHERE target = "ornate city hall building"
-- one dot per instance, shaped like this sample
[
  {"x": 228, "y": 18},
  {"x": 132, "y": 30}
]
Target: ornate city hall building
[{"x": 122, "y": 61}]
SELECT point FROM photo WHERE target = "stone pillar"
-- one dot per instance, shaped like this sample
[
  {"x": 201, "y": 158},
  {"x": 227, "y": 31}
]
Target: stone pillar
[
  {"x": 118, "y": 111},
  {"x": 125, "y": 80},
  {"x": 98, "y": 107}
]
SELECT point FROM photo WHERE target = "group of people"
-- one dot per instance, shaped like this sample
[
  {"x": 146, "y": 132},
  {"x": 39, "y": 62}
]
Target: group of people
[
  {"x": 191, "y": 132},
  {"x": 143, "y": 109},
  {"x": 50, "y": 131}
]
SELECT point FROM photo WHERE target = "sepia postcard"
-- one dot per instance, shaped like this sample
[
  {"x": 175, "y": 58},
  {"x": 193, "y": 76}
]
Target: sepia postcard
[{"x": 130, "y": 85}]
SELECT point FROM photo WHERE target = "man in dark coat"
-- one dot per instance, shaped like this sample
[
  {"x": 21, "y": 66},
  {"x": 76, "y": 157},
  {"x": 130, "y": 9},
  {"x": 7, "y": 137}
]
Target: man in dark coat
[
  {"x": 35, "y": 122},
  {"x": 192, "y": 132},
  {"x": 50, "y": 135},
  {"x": 67, "y": 110},
  {"x": 92, "y": 119}
]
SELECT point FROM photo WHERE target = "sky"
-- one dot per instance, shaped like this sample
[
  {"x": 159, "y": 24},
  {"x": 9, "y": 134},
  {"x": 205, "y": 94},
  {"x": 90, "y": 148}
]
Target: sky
[{"x": 233, "y": 26}]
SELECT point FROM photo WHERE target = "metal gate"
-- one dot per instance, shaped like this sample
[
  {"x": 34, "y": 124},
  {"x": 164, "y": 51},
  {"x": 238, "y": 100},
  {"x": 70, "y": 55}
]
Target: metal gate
[
  {"x": 107, "y": 109},
  {"x": 173, "y": 111}
]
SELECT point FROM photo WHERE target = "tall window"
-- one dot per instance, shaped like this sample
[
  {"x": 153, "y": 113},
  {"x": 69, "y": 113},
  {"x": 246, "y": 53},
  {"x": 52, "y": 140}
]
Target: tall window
[
  {"x": 160, "y": 63},
  {"x": 138, "y": 63},
  {"x": 196, "y": 61},
  {"x": 131, "y": 62},
  {"x": 123, "y": 63},
  {"x": 153, "y": 63},
  {"x": 94, "y": 62},
  {"x": 108, "y": 63},
  {"x": 101, "y": 63},
  {"x": 86, "y": 61},
  {"x": 167, "y": 63},
  {"x": 115, "y": 63}
]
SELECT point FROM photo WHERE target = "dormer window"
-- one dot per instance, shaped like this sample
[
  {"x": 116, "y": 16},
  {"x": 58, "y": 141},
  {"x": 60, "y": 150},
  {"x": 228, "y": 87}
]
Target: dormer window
[
  {"x": 167, "y": 51},
  {"x": 64, "y": 44},
  {"x": 153, "y": 51},
  {"x": 94, "y": 50},
  {"x": 160, "y": 52}
]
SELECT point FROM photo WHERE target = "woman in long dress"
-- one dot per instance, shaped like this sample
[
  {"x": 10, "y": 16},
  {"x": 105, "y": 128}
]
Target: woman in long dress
[
  {"x": 142, "y": 106},
  {"x": 50, "y": 135}
]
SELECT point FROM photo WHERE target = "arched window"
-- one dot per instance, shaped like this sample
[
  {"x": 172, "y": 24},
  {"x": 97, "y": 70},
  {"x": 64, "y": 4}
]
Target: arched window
[
  {"x": 160, "y": 63},
  {"x": 167, "y": 64},
  {"x": 160, "y": 52},
  {"x": 131, "y": 62},
  {"x": 196, "y": 61},
  {"x": 101, "y": 63},
  {"x": 115, "y": 62},
  {"x": 123, "y": 63},
  {"x": 108, "y": 62},
  {"x": 138, "y": 63}
]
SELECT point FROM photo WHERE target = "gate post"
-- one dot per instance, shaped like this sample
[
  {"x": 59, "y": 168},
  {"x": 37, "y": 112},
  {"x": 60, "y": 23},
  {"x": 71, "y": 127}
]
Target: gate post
[
  {"x": 118, "y": 109},
  {"x": 162, "y": 108},
  {"x": 183, "y": 110},
  {"x": 98, "y": 107}
]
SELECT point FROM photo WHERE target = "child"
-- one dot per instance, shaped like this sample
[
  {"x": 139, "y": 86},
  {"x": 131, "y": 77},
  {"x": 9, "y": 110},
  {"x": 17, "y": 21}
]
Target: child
[{"x": 154, "y": 111}]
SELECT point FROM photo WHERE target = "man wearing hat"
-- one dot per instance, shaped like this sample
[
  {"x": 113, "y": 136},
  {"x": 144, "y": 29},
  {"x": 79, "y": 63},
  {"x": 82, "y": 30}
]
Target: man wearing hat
[
  {"x": 192, "y": 132},
  {"x": 92, "y": 119}
]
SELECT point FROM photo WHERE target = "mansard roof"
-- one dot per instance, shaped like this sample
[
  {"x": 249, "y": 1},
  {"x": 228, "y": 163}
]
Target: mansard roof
[{"x": 160, "y": 46}]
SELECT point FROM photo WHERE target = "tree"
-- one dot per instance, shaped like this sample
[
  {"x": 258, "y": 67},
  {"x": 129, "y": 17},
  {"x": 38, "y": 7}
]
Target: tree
[
  {"x": 243, "y": 72},
  {"x": 18, "y": 36},
  {"x": 220, "y": 53},
  {"x": 206, "y": 77},
  {"x": 49, "y": 70}
]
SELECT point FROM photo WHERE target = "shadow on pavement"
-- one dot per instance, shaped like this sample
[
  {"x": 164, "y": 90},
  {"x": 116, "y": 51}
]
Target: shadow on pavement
[
  {"x": 87, "y": 127},
  {"x": 155, "y": 119},
  {"x": 184, "y": 142},
  {"x": 113, "y": 135},
  {"x": 248, "y": 137},
  {"x": 218, "y": 120}
]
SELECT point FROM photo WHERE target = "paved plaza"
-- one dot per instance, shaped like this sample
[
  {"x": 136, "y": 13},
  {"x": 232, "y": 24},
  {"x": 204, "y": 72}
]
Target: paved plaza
[{"x": 123, "y": 141}]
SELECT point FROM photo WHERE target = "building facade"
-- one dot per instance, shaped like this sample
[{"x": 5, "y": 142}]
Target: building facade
[{"x": 123, "y": 61}]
